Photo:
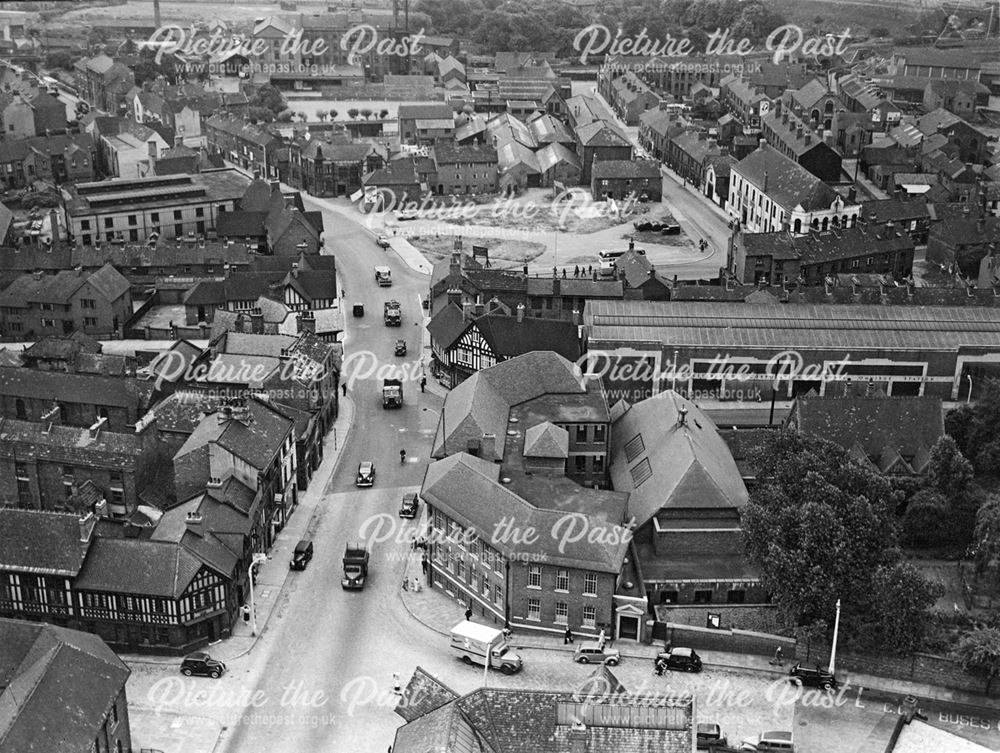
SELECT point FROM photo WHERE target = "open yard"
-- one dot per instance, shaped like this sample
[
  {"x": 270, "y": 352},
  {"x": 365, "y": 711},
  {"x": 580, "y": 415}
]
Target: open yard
[
  {"x": 173, "y": 13},
  {"x": 505, "y": 253}
]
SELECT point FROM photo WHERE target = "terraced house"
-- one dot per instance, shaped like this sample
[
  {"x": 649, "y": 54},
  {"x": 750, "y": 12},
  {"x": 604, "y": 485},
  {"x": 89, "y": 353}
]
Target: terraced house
[
  {"x": 324, "y": 167},
  {"x": 247, "y": 145},
  {"x": 56, "y": 159}
]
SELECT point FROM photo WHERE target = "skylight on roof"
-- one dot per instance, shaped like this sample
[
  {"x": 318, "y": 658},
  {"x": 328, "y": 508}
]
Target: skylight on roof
[{"x": 634, "y": 447}]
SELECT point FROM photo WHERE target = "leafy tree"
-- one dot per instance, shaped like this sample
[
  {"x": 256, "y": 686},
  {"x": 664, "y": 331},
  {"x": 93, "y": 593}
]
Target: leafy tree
[
  {"x": 818, "y": 526},
  {"x": 925, "y": 519},
  {"x": 60, "y": 59},
  {"x": 958, "y": 425},
  {"x": 899, "y": 620},
  {"x": 880, "y": 32},
  {"x": 986, "y": 540},
  {"x": 383, "y": 114},
  {"x": 285, "y": 116},
  {"x": 322, "y": 114},
  {"x": 268, "y": 97},
  {"x": 333, "y": 114},
  {"x": 979, "y": 653},
  {"x": 147, "y": 69},
  {"x": 976, "y": 429},
  {"x": 949, "y": 472},
  {"x": 366, "y": 113},
  {"x": 302, "y": 116},
  {"x": 260, "y": 114},
  {"x": 352, "y": 113}
]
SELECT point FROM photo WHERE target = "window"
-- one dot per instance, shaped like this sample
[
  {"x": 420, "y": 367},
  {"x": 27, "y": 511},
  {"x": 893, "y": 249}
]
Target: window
[
  {"x": 154, "y": 217},
  {"x": 473, "y": 580},
  {"x": 590, "y": 617},
  {"x": 736, "y": 596},
  {"x": 562, "y": 613},
  {"x": 109, "y": 236},
  {"x": 199, "y": 212},
  {"x": 498, "y": 596},
  {"x": 85, "y": 224},
  {"x": 114, "y": 710},
  {"x": 581, "y": 433},
  {"x": 88, "y": 303},
  {"x": 580, "y": 462},
  {"x": 460, "y": 564},
  {"x": 668, "y": 597},
  {"x": 86, "y": 239},
  {"x": 599, "y": 431},
  {"x": 45, "y": 306},
  {"x": 590, "y": 584},
  {"x": 133, "y": 235},
  {"x": 19, "y": 409},
  {"x": 89, "y": 321},
  {"x": 534, "y": 576},
  {"x": 486, "y": 587},
  {"x": 48, "y": 323},
  {"x": 109, "y": 222},
  {"x": 562, "y": 580},
  {"x": 132, "y": 220},
  {"x": 177, "y": 214},
  {"x": 702, "y": 597},
  {"x": 535, "y": 609},
  {"x": 179, "y": 229},
  {"x": 598, "y": 464}
]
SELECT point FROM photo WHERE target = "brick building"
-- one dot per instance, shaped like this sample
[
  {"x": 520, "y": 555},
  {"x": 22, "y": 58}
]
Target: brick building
[
  {"x": 468, "y": 169},
  {"x": 324, "y": 167},
  {"x": 426, "y": 124},
  {"x": 789, "y": 135},
  {"x": 781, "y": 258},
  {"x": 61, "y": 689},
  {"x": 620, "y": 179},
  {"x": 247, "y": 145},
  {"x": 96, "y": 303},
  {"x": 56, "y": 159},
  {"x": 553, "y": 464}
]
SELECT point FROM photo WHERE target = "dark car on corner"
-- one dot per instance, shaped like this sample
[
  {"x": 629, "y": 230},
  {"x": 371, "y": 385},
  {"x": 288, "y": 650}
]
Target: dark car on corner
[
  {"x": 680, "y": 659},
  {"x": 816, "y": 677},
  {"x": 366, "y": 474},
  {"x": 200, "y": 663},
  {"x": 409, "y": 506},
  {"x": 708, "y": 736},
  {"x": 400, "y": 348}
]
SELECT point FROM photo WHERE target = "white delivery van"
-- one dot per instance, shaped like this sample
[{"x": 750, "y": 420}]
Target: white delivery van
[{"x": 477, "y": 644}]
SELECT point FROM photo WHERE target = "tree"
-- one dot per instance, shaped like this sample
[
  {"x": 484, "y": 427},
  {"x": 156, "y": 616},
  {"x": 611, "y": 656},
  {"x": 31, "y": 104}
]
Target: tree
[
  {"x": 285, "y": 116},
  {"x": 986, "y": 539},
  {"x": 948, "y": 471},
  {"x": 321, "y": 115},
  {"x": 270, "y": 98},
  {"x": 352, "y": 113},
  {"x": 818, "y": 526},
  {"x": 333, "y": 114},
  {"x": 260, "y": 114},
  {"x": 366, "y": 113},
  {"x": 383, "y": 114},
  {"x": 979, "y": 653},
  {"x": 976, "y": 430},
  {"x": 899, "y": 620},
  {"x": 60, "y": 59},
  {"x": 302, "y": 116},
  {"x": 924, "y": 523},
  {"x": 880, "y": 32}
]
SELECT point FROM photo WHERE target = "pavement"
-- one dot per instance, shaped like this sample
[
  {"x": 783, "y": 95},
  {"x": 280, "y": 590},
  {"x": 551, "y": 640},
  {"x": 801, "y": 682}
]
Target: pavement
[{"x": 438, "y": 611}]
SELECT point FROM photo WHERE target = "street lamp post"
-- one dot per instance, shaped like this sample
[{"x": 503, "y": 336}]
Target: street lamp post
[
  {"x": 833, "y": 651},
  {"x": 258, "y": 558}
]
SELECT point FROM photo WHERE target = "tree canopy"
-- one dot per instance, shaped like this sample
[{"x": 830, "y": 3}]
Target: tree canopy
[{"x": 820, "y": 527}]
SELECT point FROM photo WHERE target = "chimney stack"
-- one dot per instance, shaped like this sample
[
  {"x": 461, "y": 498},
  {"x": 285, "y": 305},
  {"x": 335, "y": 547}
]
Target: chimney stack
[
  {"x": 682, "y": 416},
  {"x": 257, "y": 321},
  {"x": 488, "y": 447},
  {"x": 87, "y": 523},
  {"x": 578, "y": 738},
  {"x": 455, "y": 296},
  {"x": 194, "y": 521},
  {"x": 520, "y": 312},
  {"x": 295, "y": 269}
]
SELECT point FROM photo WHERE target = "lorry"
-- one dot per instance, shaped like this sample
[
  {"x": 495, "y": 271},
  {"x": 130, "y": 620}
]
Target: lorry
[
  {"x": 393, "y": 314},
  {"x": 392, "y": 393},
  {"x": 383, "y": 276},
  {"x": 355, "y": 567},
  {"x": 479, "y": 644}
]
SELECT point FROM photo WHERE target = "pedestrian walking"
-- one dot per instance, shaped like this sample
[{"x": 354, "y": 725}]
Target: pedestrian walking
[
  {"x": 423, "y": 383},
  {"x": 576, "y": 270},
  {"x": 424, "y": 566},
  {"x": 344, "y": 388},
  {"x": 564, "y": 273},
  {"x": 777, "y": 660},
  {"x": 568, "y": 637},
  {"x": 661, "y": 665},
  {"x": 590, "y": 269},
  {"x": 396, "y": 688},
  {"x": 468, "y": 614}
]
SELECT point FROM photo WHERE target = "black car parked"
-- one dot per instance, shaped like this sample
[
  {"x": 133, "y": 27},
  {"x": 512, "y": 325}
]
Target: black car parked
[
  {"x": 682, "y": 659},
  {"x": 814, "y": 678},
  {"x": 200, "y": 663}
]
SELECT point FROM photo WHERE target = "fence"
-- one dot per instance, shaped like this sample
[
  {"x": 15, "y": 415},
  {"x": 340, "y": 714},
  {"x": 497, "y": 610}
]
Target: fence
[{"x": 731, "y": 640}]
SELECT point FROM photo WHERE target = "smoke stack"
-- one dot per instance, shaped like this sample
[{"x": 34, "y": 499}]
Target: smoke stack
[{"x": 682, "y": 416}]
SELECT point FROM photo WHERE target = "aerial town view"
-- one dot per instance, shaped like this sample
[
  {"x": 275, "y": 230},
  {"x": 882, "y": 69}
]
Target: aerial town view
[{"x": 500, "y": 376}]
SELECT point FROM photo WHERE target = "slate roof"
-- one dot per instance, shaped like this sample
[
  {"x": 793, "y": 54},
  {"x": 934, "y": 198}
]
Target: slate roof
[
  {"x": 856, "y": 329},
  {"x": 256, "y": 443},
  {"x": 426, "y": 112},
  {"x": 56, "y": 687},
  {"x": 663, "y": 464},
  {"x": 490, "y": 720},
  {"x": 601, "y": 133},
  {"x": 137, "y": 566},
  {"x": 546, "y": 440},
  {"x": 481, "y": 404},
  {"x": 70, "y": 443},
  {"x": 904, "y": 424},
  {"x": 447, "y": 325},
  {"x": 787, "y": 132},
  {"x": 555, "y": 153},
  {"x": 620, "y": 169},
  {"x": 467, "y": 489},
  {"x": 41, "y": 542},
  {"x": 237, "y": 127},
  {"x": 810, "y": 94},
  {"x": 96, "y": 390},
  {"x": 828, "y": 245},
  {"x": 576, "y": 288},
  {"x": 788, "y": 183},
  {"x": 895, "y": 210},
  {"x": 423, "y": 694},
  {"x": 507, "y": 337},
  {"x": 445, "y": 154}
]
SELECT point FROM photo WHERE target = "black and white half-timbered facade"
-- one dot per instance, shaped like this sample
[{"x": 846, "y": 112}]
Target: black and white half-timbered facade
[
  {"x": 462, "y": 344},
  {"x": 136, "y": 593}
]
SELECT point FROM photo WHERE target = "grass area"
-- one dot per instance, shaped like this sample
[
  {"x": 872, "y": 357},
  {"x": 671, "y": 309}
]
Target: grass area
[{"x": 860, "y": 17}]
